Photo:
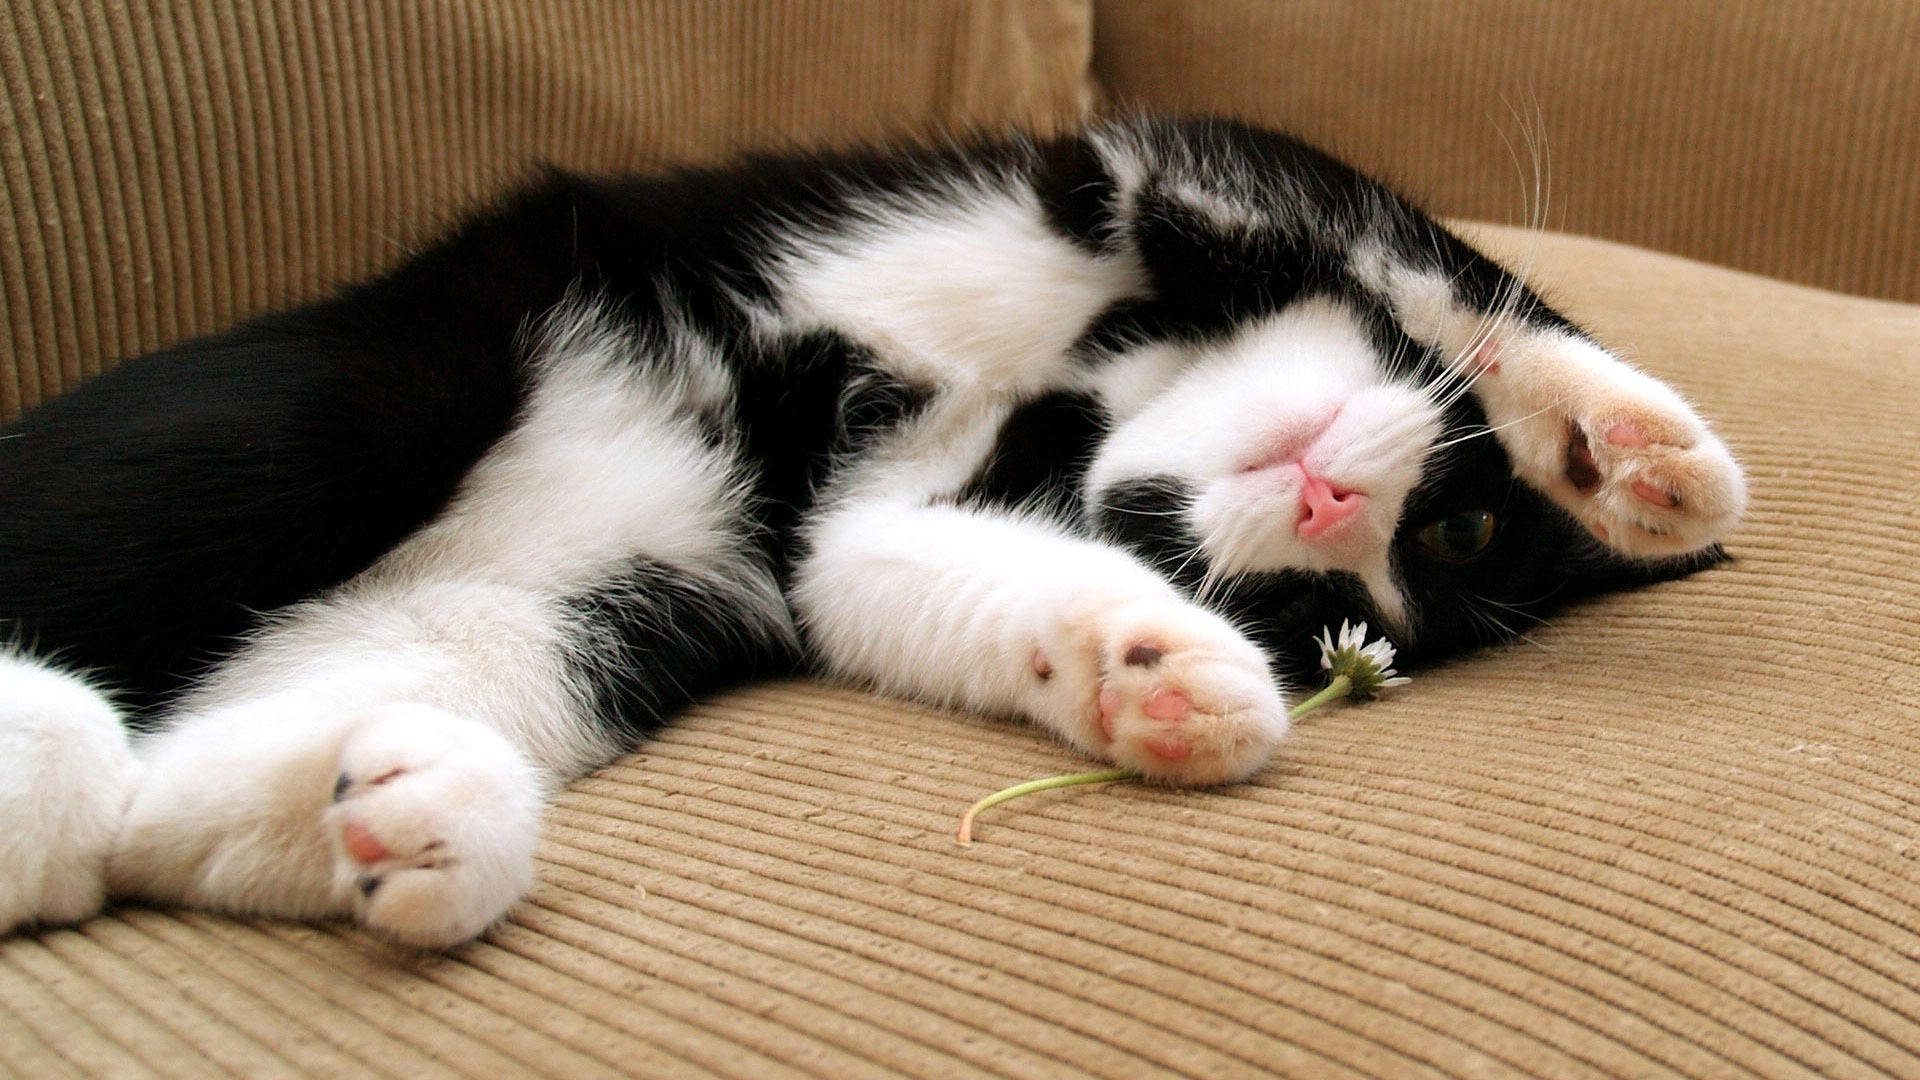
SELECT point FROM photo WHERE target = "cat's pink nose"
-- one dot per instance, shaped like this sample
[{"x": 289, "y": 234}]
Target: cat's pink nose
[{"x": 1323, "y": 506}]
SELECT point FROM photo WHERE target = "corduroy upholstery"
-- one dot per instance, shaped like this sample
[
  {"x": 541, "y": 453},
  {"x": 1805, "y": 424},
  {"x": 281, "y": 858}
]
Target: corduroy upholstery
[
  {"x": 1675, "y": 832},
  {"x": 1778, "y": 138},
  {"x": 172, "y": 167}
]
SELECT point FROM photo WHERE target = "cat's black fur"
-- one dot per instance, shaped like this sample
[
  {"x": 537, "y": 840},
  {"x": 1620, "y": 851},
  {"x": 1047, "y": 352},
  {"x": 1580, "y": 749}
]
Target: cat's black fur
[{"x": 149, "y": 520}]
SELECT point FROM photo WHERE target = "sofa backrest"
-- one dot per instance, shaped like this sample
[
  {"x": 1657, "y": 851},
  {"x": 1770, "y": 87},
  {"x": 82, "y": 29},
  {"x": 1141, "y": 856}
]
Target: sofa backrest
[
  {"x": 1778, "y": 138},
  {"x": 169, "y": 168}
]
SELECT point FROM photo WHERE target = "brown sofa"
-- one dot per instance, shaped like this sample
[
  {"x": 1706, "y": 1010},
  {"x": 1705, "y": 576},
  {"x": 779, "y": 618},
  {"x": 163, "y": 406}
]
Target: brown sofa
[{"x": 1673, "y": 832}]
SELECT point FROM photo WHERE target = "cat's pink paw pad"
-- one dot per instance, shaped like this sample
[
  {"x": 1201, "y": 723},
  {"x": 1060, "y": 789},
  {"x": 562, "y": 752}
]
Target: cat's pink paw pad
[
  {"x": 1626, "y": 433},
  {"x": 1184, "y": 697},
  {"x": 362, "y": 845},
  {"x": 1653, "y": 495},
  {"x": 434, "y": 820},
  {"x": 1171, "y": 706}
]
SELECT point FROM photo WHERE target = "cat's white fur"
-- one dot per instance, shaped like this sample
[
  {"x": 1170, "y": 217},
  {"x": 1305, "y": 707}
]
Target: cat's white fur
[
  {"x": 995, "y": 612},
  {"x": 66, "y": 774},
  {"x": 425, "y": 705},
  {"x": 974, "y": 291},
  {"x": 436, "y": 682}
]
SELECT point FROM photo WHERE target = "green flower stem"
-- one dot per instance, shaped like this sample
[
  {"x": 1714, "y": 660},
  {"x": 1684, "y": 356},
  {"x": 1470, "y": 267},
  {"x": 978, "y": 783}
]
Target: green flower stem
[
  {"x": 965, "y": 836},
  {"x": 1340, "y": 687},
  {"x": 1334, "y": 691}
]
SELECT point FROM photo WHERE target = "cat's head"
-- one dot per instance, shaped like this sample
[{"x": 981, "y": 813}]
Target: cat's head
[{"x": 1314, "y": 465}]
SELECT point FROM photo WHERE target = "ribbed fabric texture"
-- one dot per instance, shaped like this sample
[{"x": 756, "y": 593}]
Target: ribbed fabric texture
[
  {"x": 1777, "y": 138},
  {"x": 1672, "y": 833},
  {"x": 168, "y": 168}
]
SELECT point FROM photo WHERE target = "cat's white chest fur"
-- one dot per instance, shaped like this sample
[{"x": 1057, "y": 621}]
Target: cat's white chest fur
[{"x": 973, "y": 291}]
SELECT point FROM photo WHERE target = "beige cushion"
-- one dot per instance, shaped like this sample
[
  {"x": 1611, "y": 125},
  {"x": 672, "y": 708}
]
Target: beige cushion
[
  {"x": 1779, "y": 138},
  {"x": 1674, "y": 832},
  {"x": 171, "y": 167}
]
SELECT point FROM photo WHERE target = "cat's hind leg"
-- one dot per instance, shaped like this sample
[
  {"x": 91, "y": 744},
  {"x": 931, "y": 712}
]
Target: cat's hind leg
[
  {"x": 383, "y": 752},
  {"x": 412, "y": 820},
  {"x": 434, "y": 820},
  {"x": 66, "y": 773}
]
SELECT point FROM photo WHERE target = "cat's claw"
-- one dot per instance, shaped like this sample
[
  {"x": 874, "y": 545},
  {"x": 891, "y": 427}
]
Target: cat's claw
[
  {"x": 1175, "y": 692},
  {"x": 433, "y": 822}
]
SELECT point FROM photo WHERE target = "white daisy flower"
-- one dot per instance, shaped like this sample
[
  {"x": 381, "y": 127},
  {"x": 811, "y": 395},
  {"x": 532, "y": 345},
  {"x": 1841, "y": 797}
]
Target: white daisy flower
[{"x": 1367, "y": 665}]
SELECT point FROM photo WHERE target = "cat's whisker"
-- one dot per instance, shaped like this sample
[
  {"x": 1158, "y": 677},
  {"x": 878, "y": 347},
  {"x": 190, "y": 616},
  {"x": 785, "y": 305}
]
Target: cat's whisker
[
  {"x": 1397, "y": 360},
  {"x": 1535, "y": 642},
  {"x": 1176, "y": 513},
  {"x": 1226, "y": 584},
  {"x": 1489, "y": 619},
  {"x": 1484, "y": 431},
  {"x": 1208, "y": 588},
  {"x": 1556, "y": 590},
  {"x": 1179, "y": 571},
  {"x": 1472, "y": 434},
  {"x": 1535, "y": 175},
  {"x": 1512, "y": 609},
  {"x": 1535, "y": 196},
  {"x": 1490, "y": 622},
  {"x": 1494, "y": 623}
]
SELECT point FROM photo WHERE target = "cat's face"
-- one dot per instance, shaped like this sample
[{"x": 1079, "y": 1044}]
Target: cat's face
[{"x": 1316, "y": 466}]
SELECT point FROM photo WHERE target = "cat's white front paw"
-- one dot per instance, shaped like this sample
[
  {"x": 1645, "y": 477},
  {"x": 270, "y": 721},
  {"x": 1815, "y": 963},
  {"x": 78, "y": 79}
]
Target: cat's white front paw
[
  {"x": 1164, "y": 687},
  {"x": 1618, "y": 449},
  {"x": 1649, "y": 481},
  {"x": 433, "y": 825},
  {"x": 65, "y": 776}
]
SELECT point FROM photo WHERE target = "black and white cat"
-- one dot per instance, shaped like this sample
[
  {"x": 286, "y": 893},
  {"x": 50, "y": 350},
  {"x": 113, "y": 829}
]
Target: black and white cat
[{"x": 1098, "y": 431}]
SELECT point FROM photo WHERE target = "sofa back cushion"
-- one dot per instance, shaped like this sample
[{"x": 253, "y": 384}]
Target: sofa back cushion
[
  {"x": 169, "y": 168},
  {"x": 1778, "y": 138}
]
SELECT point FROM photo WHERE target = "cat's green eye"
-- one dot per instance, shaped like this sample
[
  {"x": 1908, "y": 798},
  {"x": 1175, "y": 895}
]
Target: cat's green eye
[{"x": 1458, "y": 537}]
